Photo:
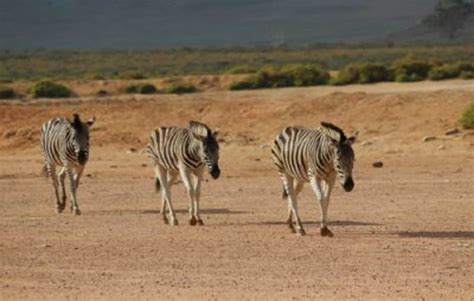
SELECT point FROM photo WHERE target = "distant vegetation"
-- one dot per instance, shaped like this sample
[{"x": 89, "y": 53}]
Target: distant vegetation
[
  {"x": 406, "y": 69},
  {"x": 298, "y": 75},
  {"x": 141, "y": 89},
  {"x": 58, "y": 65},
  {"x": 180, "y": 88},
  {"x": 50, "y": 89},
  {"x": 6, "y": 93},
  {"x": 467, "y": 119}
]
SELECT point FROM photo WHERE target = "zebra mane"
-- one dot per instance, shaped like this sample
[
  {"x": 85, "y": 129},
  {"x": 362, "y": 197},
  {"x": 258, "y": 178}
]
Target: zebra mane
[
  {"x": 333, "y": 132},
  {"x": 199, "y": 128}
]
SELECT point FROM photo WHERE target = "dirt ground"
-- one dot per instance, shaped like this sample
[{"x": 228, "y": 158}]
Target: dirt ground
[{"x": 406, "y": 232}]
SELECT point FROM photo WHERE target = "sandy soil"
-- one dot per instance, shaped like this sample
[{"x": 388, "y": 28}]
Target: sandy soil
[{"x": 405, "y": 233}]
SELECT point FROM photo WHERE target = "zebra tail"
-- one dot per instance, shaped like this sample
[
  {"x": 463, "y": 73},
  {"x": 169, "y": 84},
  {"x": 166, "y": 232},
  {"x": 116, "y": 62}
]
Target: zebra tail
[
  {"x": 284, "y": 195},
  {"x": 44, "y": 171},
  {"x": 157, "y": 185}
]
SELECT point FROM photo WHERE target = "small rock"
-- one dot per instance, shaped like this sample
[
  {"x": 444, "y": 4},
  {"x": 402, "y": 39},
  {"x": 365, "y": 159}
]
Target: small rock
[
  {"x": 452, "y": 132},
  {"x": 377, "y": 164},
  {"x": 46, "y": 246},
  {"x": 365, "y": 143},
  {"x": 89, "y": 175},
  {"x": 113, "y": 166},
  {"x": 441, "y": 147},
  {"x": 131, "y": 150},
  {"x": 257, "y": 159},
  {"x": 144, "y": 165},
  {"x": 429, "y": 138},
  {"x": 262, "y": 146}
]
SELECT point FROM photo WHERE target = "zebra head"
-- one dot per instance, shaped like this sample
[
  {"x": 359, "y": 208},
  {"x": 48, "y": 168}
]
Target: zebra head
[
  {"x": 209, "y": 148},
  {"x": 343, "y": 153},
  {"x": 80, "y": 137}
]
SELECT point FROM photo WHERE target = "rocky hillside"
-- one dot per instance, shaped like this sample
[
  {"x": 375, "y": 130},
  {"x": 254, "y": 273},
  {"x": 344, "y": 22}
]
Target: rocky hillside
[{"x": 451, "y": 21}]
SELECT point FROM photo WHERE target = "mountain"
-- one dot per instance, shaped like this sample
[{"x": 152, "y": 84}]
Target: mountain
[
  {"x": 451, "y": 21},
  {"x": 140, "y": 24}
]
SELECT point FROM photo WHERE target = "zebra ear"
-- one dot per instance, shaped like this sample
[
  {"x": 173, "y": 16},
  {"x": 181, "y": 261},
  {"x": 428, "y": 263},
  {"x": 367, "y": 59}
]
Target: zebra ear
[
  {"x": 199, "y": 128},
  {"x": 91, "y": 121},
  {"x": 352, "y": 139}
]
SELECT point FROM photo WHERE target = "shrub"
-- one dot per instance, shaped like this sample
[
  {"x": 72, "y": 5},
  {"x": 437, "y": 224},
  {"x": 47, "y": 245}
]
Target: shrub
[
  {"x": 180, "y": 89},
  {"x": 467, "y": 119},
  {"x": 241, "y": 69},
  {"x": 295, "y": 75},
  {"x": 6, "y": 93},
  {"x": 50, "y": 89},
  {"x": 140, "y": 89},
  {"x": 443, "y": 72},
  {"x": 364, "y": 73},
  {"x": 411, "y": 69},
  {"x": 132, "y": 75},
  {"x": 304, "y": 75},
  {"x": 467, "y": 75}
]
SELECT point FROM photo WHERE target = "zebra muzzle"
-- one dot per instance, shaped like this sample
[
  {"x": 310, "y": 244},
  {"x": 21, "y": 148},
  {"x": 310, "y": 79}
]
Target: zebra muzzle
[
  {"x": 215, "y": 172},
  {"x": 82, "y": 157},
  {"x": 348, "y": 185}
]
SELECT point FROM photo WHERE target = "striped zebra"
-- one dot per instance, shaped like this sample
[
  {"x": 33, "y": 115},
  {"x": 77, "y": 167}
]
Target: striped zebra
[
  {"x": 318, "y": 156},
  {"x": 183, "y": 151},
  {"x": 65, "y": 143}
]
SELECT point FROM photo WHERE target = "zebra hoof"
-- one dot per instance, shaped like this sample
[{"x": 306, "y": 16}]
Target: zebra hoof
[
  {"x": 175, "y": 222},
  {"x": 301, "y": 232},
  {"x": 76, "y": 211},
  {"x": 192, "y": 221},
  {"x": 326, "y": 232},
  {"x": 292, "y": 228},
  {"x": 200, "y": 223},
  {"x": 165, "y": 220}
]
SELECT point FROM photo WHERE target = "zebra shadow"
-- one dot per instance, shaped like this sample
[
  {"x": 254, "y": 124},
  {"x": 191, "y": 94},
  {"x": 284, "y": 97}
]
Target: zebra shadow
[
  {"x": 155, "y": 211},
  {"x": 437, "y": 234},
  {"x": 330, "y": 223}
]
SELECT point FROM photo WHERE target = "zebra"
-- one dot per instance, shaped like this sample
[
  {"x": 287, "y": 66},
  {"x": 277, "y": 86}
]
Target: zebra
[
  {"x": 65, "y": 143},
  {"x": 318, "y": 156},
  {"x": 183, "y": 151}
]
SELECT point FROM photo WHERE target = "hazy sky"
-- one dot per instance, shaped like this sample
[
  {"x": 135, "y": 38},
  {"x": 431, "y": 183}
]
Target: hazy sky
[{"x": 174, "y": 23}]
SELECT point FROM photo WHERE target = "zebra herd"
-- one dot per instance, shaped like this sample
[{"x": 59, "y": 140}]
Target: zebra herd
[{"x": 319, "y": 156}]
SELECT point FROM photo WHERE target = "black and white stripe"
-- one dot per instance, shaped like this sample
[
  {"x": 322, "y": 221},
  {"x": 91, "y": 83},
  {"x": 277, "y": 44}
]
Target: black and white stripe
[
  {"x": 184, "y": 151},
  {"x": 65, "y": 144},
  {"x": 319, "y": 156}
]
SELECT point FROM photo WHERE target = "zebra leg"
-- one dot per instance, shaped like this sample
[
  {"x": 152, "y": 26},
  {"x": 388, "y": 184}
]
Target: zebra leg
[
  {"x": 78, "y": 174},
  {"x": 298, "y": 186},
  {"x": 324, "y": 209},
  {"x": 186, "y": 177},
  {"x": 52, "y": 172},
  {"x": 288, "y": 184},
  {"x": 320, "y": 195},
  {"x": 72, "y": 184},
  {"x": 162, "y": 176},
  {"x": 197, "y": 196},
  {"x": 62, "y": 178}
]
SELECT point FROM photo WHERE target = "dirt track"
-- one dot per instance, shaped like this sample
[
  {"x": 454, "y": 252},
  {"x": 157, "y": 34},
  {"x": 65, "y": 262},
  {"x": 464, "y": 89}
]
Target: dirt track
[{"x": 405, "y": 232}]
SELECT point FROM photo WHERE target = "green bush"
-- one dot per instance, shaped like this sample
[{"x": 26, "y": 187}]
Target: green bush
[
  {"x": 140, "y": 89},
  {"x": 300, "y": 75},
  {"x": 467, "y": 75},
  {"x": 181, "y": 89},
  {"x": 6, "y": 93},
  {"x": 443, "y": 72},
  {"x": 241, "y": 69},
  {"x": 50, "y": 89},
  {"x": 362, "y": 73},
  {"x": 295, "y": 75},
  {"x": 411, "y": 69},
  {"x": 467, "y": 119}
]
